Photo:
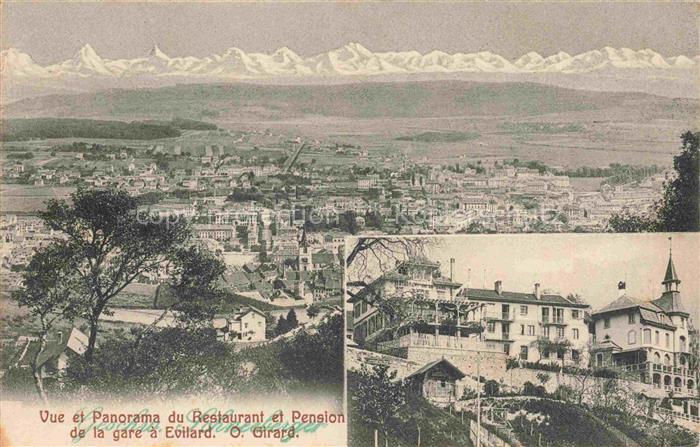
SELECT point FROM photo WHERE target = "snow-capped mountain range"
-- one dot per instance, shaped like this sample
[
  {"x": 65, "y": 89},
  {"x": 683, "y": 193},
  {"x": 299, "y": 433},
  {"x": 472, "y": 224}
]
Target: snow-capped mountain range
[{"x": 351, "y": 59}]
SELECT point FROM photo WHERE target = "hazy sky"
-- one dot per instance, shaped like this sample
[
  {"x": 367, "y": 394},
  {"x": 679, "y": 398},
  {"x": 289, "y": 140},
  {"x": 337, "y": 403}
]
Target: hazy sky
[
  {"x": 52, "y": 32},
  {"x": 590, "y": 264}
]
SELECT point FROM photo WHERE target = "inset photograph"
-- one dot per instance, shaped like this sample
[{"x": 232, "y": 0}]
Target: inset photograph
[{"x": 564, "y": 340}]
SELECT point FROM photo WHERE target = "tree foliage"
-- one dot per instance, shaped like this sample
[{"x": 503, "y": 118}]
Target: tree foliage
[
  {"x": 111, "y": 244},
  {"x": 378, "y": 395},
  {"x": 678, "y": 208}
]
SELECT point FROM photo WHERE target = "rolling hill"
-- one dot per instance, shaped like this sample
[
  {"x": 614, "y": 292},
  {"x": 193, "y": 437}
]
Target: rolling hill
[{"x": 244, "y": 101}]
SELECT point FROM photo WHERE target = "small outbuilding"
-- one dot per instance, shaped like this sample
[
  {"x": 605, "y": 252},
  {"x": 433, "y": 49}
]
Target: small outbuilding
[{"x": 437, "y": 382}]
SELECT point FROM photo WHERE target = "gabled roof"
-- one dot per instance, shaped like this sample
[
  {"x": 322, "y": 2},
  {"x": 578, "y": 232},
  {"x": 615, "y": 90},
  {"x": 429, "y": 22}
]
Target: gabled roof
[
  {"x": 248, "y": 310},
  {"x": 75, "y": 342},
  {"x": 322, "y": 257},
  {"x": 653, "y": 318},
  {"x": 445, "y": 364},
  {"x": 519, "y": 297},
  {"x": 606, "y": 345}
]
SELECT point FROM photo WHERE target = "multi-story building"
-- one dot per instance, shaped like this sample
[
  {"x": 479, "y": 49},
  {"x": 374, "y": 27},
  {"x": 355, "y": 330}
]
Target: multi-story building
[
  {"x": 433, "y": 311},
  {"x": 650, "y": 339},
  {"x": 443, "y": 313},
  {"x": 518, "y": 322}
]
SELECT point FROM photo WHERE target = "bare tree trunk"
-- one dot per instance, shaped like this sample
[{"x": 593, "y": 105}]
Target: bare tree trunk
[
  {"x": 37, "y": 370},
  {"x": 376, "y": 438},
  {"x": 92, "y": 339}
]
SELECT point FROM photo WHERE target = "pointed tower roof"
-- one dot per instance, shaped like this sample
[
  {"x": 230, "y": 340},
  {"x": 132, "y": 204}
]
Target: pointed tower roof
[
  {"x": 303, "y": 242},
  {"x": 671, "y": 275}
]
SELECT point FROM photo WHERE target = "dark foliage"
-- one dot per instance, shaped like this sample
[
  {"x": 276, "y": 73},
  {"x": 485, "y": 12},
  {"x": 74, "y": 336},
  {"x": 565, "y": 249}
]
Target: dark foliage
[{"x": 40, "y": 128}]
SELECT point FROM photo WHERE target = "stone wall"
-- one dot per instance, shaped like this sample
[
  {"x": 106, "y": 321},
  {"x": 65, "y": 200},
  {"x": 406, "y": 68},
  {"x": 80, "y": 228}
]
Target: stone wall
[
  {"x": 355, "y": 358},
  {"x": 492, "y": 365}
]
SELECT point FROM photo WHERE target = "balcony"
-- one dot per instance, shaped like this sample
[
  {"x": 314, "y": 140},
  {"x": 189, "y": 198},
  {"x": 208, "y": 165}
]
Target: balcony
[
  {"x": 428, "y": 340},
  {"x": 503, "y": 337},
  {"x": 499, "y": 316},
  {"x": 553, "y": 321}
]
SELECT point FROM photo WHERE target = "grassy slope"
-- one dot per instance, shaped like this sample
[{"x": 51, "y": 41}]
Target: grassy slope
[{"x": 438, "y": 427}]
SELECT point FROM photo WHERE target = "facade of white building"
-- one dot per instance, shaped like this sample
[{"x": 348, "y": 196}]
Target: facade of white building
[{"x": 648, "y": 338}]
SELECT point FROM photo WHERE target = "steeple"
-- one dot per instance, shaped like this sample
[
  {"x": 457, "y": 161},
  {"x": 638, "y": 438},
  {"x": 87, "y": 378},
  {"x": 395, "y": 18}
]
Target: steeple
[
  {"x": 670, "y": 299},
  {"x": 671, "y": 281}
]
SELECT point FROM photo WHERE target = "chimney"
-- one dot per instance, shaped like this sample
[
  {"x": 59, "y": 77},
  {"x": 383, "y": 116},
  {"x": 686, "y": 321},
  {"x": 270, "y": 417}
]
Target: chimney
[
  {"x": 537, "y": 290},
  {"x": 452, "y": 268},
  {"x": 498, "y": 286},
  {"x": 621, "y": 288}
]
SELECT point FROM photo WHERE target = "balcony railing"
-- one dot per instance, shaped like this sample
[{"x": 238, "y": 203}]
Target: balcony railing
[
  {"x": 499, "y": 315},
  {"x": 441, "y": 341},
  {"x": 657, "y": 367},
  {"x": 676, "y": 414},
  {"x": 553, "y": 320}
]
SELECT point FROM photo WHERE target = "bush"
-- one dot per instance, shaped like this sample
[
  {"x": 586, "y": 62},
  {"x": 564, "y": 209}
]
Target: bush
[
  {"x": 529, "y": 389},
  {"x": 491, "y": 388}
]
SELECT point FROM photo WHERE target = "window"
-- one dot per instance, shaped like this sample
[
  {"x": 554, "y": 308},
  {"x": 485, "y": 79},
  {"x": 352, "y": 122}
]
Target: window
[
  {"x": 545, "y": 354},
  {"x": 683, "y": 322},
  {"x": 599, "y": 359},
  {"x": 668, "y": 341},
  {"x": 545, "y": 331},
  {"x": 523, "y": 352},
  {"x": 560, "y": 332},
  {"x": 682, "y": 344},
  {"x": 647, "y": 336},
  {"x": 575, "y": 314},
  {"x": 491, "y": 326},
  {"x": 531, "y": 329},
  {"x": 606, "y": 323},
  {"x": 630, "y": 318},
  {"x": 506, "y": 349},
  {"x": 575, "y": 355},
  {"x": 522, "y": 329},
  {"x": 559, "y": 316},
  {"x": 574, "y": 332},
  {"x": 560, "y": 355},
  {"x": 656, "y": 338},
  {"x": 632, "y": 337},
  {"x": 545, "y": 314},
  {"x": 246, "y": 325},
  {"x": 523, "y": 310}
]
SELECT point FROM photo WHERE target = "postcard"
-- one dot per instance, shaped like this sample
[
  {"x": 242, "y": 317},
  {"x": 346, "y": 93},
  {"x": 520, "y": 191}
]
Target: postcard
[{"x": 348, "y": 223}]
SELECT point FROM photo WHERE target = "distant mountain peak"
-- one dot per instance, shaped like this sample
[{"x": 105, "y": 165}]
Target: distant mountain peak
[
  {"x": 156, "y": 52},
  {"x": 350, "y": 59}
]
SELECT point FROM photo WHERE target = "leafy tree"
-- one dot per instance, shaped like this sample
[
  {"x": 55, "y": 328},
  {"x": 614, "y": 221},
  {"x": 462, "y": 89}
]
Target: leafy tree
[
  {"x": 378, "y": 396},
  {"x": 292, "y": 321},
  {"x": 316, "y": 357},
  {"x": 168, "y": 361},
  {"x": 491, "y": 388},
  {"x": 313, "y": 310},
  {"x": 476, "y": 228},
  {"x": 50, "y": 293},
  {"x": 281, "y": 327},
  {"x": 678, "y": 210},
  {"x": 559, "y": 347},
  {"x": 110, "y": 245},
  {"x": 631, "y": 223}
]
